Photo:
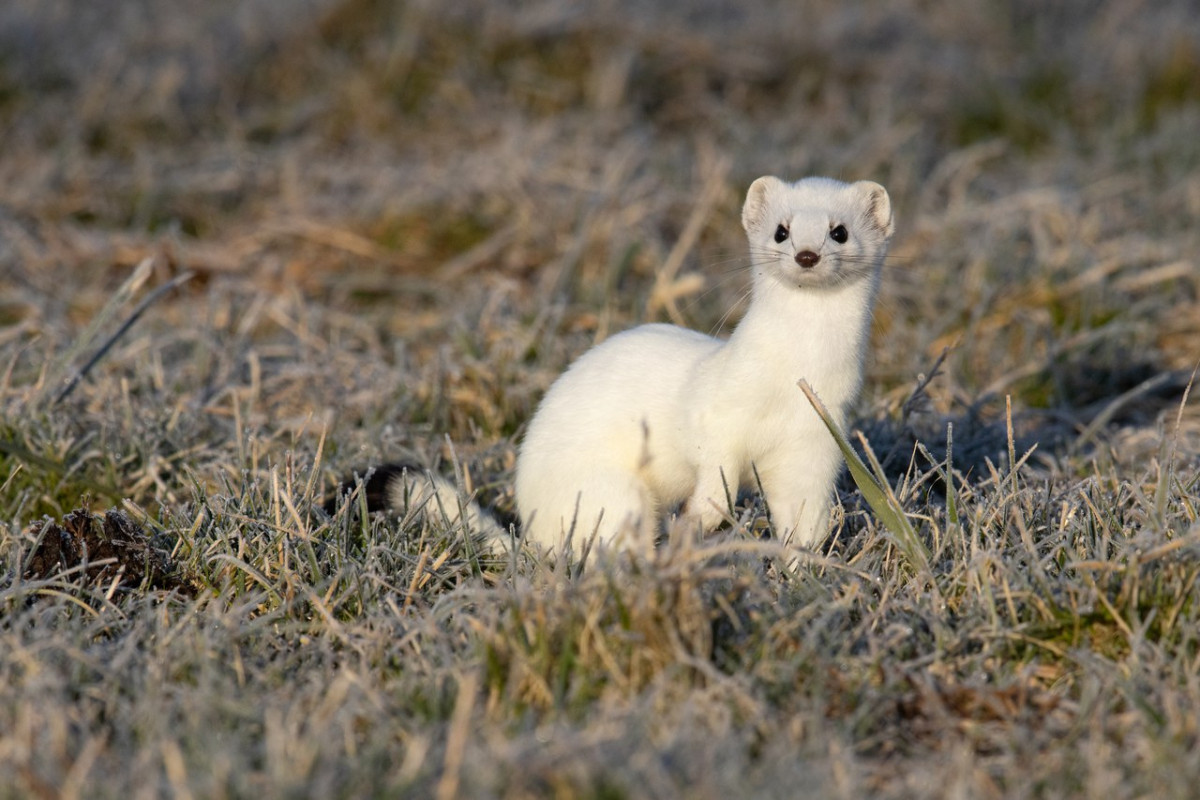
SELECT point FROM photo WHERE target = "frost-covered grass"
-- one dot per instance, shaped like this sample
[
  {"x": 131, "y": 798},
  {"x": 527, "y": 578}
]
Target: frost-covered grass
[{"x": 402, "y": 221}]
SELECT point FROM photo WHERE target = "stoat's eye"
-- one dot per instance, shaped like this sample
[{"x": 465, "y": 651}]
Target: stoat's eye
[
  {"x": 781, "y": 234},
  {"x": 838, "y": 234}
]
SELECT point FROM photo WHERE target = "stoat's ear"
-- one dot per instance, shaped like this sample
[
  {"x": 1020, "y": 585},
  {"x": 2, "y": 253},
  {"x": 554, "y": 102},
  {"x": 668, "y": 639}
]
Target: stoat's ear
[
  {"x": 878, "y": 206},
  {"x": 757, "y": 202}
]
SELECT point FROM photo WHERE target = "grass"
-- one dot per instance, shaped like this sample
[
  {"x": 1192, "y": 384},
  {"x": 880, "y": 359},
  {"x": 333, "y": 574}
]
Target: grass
[{"x": 402, "y": 222}]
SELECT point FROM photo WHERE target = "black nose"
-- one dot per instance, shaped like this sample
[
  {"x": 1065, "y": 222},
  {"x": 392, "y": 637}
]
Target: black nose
[{"x": 807, "y": 259}]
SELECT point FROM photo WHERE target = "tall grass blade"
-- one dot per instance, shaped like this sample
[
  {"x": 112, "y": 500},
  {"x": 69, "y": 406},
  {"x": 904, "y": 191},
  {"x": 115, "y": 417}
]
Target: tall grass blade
[{"x": 875, "y": 490}]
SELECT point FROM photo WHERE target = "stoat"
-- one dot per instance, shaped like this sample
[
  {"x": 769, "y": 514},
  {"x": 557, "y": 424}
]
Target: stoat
[{"x": 660, "y": 416}]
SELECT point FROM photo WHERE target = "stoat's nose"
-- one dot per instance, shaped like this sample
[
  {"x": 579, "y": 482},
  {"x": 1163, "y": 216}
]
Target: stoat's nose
[{"x": 807, "y": 259}]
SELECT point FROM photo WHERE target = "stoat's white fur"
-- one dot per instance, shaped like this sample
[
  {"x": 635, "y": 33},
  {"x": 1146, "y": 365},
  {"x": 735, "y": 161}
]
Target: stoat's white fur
[
  {"x": 420, "y": 496},
  {"x": 661, "y": 415}
]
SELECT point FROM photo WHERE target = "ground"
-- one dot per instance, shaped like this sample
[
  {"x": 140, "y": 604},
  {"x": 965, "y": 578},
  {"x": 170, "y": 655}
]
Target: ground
[{"x": 247, "y": 248}]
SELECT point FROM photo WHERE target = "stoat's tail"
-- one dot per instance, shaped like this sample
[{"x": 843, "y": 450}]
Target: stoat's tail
[{"x": 413, "y": 492}]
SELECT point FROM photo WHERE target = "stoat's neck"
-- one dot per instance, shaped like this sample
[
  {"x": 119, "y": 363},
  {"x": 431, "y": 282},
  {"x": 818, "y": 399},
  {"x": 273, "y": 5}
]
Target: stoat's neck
[{"x": 791, "y": 333}]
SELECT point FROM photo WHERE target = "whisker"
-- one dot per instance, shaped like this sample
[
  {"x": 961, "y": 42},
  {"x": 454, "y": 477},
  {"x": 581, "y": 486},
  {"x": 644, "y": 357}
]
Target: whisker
[
  {"x": 720, "y": 324},
  {"x": 725, "y": 279},
  {"x": 722, "y": 261}
]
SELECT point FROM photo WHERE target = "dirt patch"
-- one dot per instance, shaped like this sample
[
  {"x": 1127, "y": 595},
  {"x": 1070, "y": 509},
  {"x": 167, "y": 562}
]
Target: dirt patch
[{"x": 99, "y": 548}]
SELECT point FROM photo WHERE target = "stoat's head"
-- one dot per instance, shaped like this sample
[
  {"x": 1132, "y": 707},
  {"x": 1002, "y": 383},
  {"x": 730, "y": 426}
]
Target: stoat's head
[{"x": 817, "y": 232}]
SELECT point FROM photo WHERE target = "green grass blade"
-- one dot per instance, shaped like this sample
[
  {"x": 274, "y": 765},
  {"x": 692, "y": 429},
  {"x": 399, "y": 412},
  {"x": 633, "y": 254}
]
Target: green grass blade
[{"x": 876, "y": 492}]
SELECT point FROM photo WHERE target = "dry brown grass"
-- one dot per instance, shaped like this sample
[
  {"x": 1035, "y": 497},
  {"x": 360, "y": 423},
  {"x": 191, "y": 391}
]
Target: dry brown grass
[{"x": 403, "y": 222}]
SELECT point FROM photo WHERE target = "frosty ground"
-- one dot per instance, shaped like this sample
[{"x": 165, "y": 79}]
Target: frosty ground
[{"x": 355, "y": 231}]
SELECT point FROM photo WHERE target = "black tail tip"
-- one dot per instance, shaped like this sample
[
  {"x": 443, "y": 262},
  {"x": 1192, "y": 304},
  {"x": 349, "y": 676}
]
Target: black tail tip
[{"x": 375, "y": 485}]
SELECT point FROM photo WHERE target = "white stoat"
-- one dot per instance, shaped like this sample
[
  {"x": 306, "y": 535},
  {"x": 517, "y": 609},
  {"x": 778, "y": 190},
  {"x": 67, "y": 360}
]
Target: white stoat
[{"x": 660, "y": 415}]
